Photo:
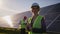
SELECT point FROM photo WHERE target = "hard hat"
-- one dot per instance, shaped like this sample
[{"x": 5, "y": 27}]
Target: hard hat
[
  {"x": 35, "y": 5},
  {"x": 25, "y": 17}
]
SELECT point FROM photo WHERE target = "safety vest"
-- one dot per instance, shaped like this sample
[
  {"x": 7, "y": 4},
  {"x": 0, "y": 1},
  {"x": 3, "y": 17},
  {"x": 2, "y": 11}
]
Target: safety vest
[
  {"x": 37, "y": 22},
  {"x": 23, "y": 25}
]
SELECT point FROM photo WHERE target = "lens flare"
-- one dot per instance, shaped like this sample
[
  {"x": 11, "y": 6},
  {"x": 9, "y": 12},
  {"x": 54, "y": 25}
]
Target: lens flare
[{"x": 8, "y": 20}]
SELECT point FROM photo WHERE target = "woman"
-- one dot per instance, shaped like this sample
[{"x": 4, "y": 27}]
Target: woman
[{"x": 36, "y": 21}]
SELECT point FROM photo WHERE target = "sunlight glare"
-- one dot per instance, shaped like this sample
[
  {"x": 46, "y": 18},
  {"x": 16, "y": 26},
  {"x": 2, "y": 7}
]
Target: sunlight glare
[{"x": 8, "y": 19}]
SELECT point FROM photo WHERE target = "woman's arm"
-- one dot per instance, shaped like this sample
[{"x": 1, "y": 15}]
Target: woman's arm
[{"x": 43, "y": 24}]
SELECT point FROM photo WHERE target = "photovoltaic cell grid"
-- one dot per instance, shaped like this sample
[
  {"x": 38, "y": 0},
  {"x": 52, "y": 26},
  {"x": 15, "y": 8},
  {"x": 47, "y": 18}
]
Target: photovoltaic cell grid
[{"x": 53, "y": 19}]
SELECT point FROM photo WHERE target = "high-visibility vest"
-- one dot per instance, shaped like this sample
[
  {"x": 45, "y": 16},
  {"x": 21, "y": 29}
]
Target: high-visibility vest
[
  {"x": 37, "y": 22},
  {"x": 23, "y": 25}
]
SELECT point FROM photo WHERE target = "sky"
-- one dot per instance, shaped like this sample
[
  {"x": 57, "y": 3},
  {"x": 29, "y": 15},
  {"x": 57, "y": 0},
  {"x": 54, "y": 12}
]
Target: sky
[{"x": 10, "y": 7}]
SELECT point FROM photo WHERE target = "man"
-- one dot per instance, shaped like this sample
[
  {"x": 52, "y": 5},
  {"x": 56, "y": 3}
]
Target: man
[
  {"x": 36, "y": 21},
  {"x": 23, "y": 25}
]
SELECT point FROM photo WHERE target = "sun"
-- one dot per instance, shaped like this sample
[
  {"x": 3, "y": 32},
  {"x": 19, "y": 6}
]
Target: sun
[{"x": 8, "y": 20}]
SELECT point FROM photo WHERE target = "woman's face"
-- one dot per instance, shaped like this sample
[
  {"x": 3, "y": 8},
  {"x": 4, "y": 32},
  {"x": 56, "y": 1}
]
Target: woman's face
[{"x": 35, "y": 10}]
